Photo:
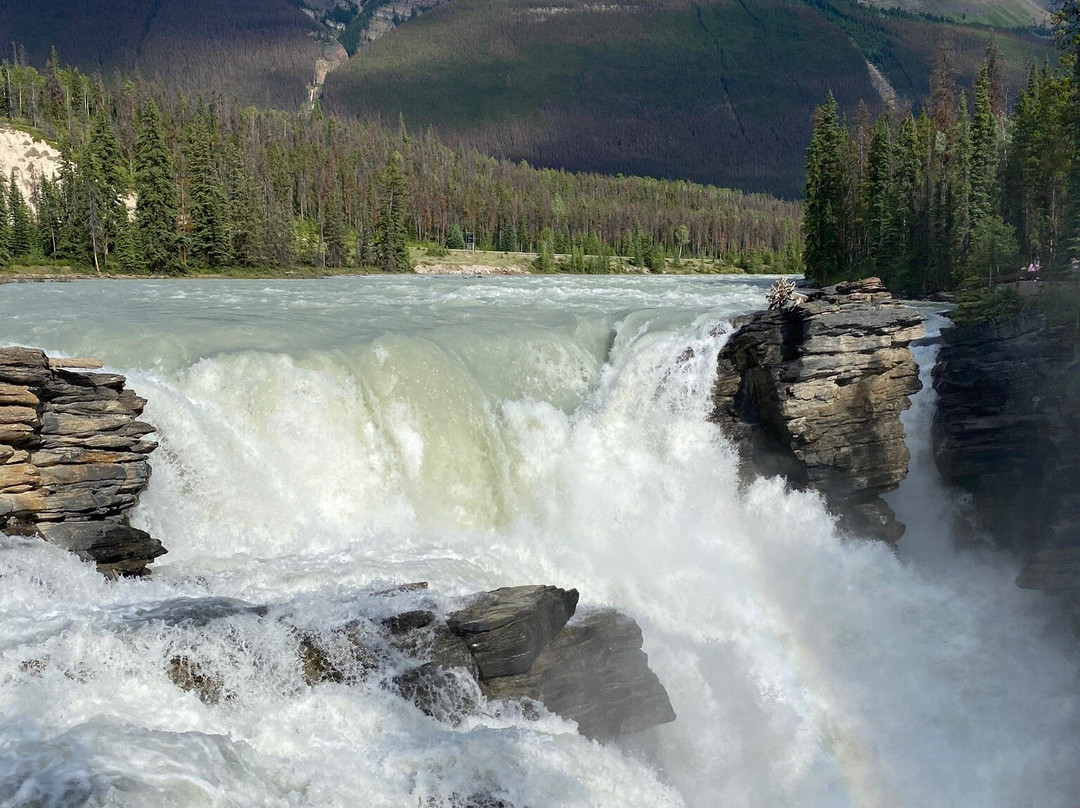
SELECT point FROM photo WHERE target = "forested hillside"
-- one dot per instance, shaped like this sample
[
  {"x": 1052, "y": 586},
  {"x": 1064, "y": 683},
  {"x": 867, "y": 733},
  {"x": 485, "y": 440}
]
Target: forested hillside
[
  {"x": 220, "y": 184},
  {"x": 962, "y": 197},
  {"x": 262, "y": 51},
  {"x": 709, "y": 90},
  {"x": 1000, "y": 13}
]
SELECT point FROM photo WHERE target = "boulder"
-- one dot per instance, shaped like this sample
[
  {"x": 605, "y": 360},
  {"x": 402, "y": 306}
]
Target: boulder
[
  {"x": 595, "y": 673},
  {"x": 814, "y": 392},
  {"x": 507, "y": 629}
]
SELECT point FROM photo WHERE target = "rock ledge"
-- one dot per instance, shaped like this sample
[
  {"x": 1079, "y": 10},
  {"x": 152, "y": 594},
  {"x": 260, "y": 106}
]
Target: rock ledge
[{"x": 73, "y": 459}]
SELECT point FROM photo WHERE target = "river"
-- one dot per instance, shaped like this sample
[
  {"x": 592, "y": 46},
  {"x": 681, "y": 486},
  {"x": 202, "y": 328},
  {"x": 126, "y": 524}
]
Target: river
[{"x": 324, "y": 439}]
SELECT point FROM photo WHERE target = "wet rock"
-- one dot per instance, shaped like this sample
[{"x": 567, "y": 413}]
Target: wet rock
[
  {"x": 195, "y": 677},
  {"x": 507, "y": 629},
  {"x": 339, "y": 656},
  {"x": 73, "y": 456},
  {"x": 814, "y": 393},
  {"x": 595, "y": 673}
]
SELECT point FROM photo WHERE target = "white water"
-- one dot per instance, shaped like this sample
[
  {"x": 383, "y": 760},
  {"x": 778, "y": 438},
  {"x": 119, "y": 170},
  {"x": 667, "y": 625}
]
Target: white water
[{"x": 324, "y": 439}]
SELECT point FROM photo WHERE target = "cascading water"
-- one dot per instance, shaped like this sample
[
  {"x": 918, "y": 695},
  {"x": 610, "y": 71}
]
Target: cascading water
[{"x": 324, "y": 439}]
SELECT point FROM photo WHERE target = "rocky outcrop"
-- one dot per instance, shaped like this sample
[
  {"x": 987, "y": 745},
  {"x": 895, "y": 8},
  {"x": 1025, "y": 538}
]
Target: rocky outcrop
[
  {"x": 1008, "y": 413},
  {"x": 506, "y": 630},
  {"x": 814, "y": 392},
  {"x": 73, "y": 459},
  {"x": 592, "y": 671},
  {"x": 517, "y": 644}
]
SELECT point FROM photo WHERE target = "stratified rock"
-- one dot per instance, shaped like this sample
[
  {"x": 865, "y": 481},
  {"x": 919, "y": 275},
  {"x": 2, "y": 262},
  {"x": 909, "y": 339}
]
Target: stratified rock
[
  {"x": 73, "y": 459},
  {"x": 814, "y": 392},
  {"x": 1008, "y": 413},
  {"x": 595, "y": 673},
  {"x": 506, "y": 629}
]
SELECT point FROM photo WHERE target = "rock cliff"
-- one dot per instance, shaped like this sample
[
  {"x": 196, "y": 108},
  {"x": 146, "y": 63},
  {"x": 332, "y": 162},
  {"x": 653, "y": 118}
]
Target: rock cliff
[
  {"x": 73, "y": 460},
  {"x": 1005, "y": 428},
  {"x": 814, "y": 392}
]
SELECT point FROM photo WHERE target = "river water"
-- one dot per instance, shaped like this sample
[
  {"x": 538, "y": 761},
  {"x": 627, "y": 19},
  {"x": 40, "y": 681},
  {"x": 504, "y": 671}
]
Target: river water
[{"x": 324, "y": 439}]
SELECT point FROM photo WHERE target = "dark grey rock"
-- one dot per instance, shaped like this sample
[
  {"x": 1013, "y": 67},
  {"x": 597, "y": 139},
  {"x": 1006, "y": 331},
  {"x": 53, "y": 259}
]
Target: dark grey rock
[
  {"x": 595, "y": 673},
  {"x": 508, "y": 628}
]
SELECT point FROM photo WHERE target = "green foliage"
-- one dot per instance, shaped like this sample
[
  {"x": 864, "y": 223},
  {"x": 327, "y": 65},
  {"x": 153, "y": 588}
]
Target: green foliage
[
  {"x": 210, "y": 243},
  {"x": 158, "y": 205},
  {"x": 391, "y": 254},
  {"x": 219, "y": 185},
  {"x": 930, "y": 213},
  {"x": 21, "y": 238},
  {"x": 827, "y": 216},
  {"x": 455, "y": 239},
  {"x": 978, "y": 305}
]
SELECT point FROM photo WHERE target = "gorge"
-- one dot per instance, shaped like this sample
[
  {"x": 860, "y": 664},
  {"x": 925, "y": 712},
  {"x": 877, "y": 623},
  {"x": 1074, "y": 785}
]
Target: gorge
[{"x": 324, "y": 443}]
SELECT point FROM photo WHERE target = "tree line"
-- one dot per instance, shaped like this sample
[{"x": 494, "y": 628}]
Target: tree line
[
  {"x": 155, "y": 180},
  {"x": 960, "y": 195}
]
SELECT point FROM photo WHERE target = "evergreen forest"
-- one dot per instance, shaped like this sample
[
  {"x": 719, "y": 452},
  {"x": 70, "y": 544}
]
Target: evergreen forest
[
  {"x": 159, "y": 181},
  {"x": 967, "y": 194}
]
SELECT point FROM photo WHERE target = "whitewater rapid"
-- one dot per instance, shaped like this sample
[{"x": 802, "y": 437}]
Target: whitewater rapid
[{"x": 324, "y": 439}]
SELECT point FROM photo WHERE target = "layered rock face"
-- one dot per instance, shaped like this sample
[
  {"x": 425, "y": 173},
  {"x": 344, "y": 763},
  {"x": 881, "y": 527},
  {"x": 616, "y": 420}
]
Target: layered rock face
[
  {"x": 1005, "y": 428},
  {"x": 515, "y": 644},
  {"x": 73, "y": 460},
  {"x": 814, "y": 392}
]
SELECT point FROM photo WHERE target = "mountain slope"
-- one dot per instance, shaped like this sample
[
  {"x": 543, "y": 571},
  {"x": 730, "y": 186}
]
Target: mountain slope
[
  {"x": 717, "y": 91},
  {"x": 262, "y": 51}
]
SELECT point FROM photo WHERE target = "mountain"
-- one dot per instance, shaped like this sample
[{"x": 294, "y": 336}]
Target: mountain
[
  {"x": 718, "y": 91},
  {"x": 263, "y": 51},
  {"x": 999, "y": 13}
]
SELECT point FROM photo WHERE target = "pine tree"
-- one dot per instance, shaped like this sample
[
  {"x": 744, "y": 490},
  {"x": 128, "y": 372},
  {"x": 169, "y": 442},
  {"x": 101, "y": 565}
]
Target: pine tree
[
  {"x": 21, "y": 239},
  {"x": 335, "y": 232},
  {"x": 826, "y": 217},
  {"x": 211, "y": 244},
  {"x": 127, "y": 253},
  {"x": 5, "y": 231},
  {"x": 877, "y": 192},
  {"x": 158, "y": 206},
  {"x": 984, "y": 151},
  {"x": 391, "y": 254},
  {"x": 245, "y": 225},
  {"x": 455, "y": 239},
  {"x": 99, "y": 184}
]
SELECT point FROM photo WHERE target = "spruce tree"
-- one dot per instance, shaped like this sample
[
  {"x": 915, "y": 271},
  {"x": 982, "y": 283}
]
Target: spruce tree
[
  {"x": 245, "y": 226},
  {"x": 5, "y": 231},
  {"x": 21, "y": 240},
  {"x": 826, "y": 214},
  {"x": 210, "y": 239},
  {"x": 455, "y": 239},
  {"x": 100, "y": 183},
  {"x": 984, "y": 152},
  {"x": 158, "y": 207},
  {"x": 877, "y": 192},
  {"x": 391, "y": 254}
]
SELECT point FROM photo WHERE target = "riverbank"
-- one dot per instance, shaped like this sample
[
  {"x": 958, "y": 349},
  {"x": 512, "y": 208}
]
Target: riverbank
[{"x": 446, "y": 262}]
